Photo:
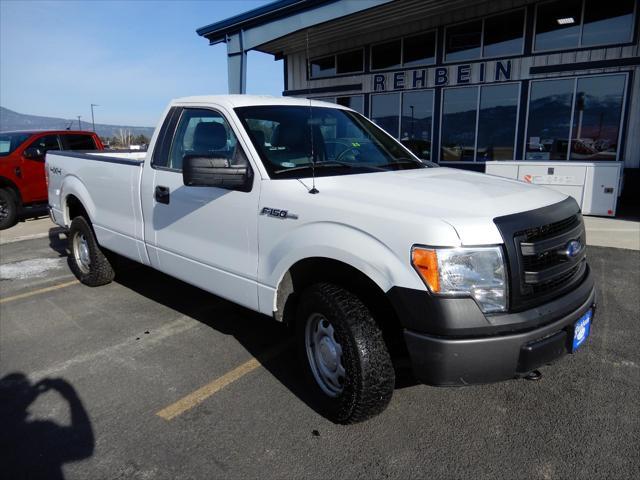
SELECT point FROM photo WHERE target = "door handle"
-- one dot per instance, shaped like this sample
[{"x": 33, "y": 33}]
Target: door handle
[{"x": 161, "y": 194}]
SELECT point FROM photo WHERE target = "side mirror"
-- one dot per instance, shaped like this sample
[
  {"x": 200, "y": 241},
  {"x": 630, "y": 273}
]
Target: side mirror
[
  {"x": 198, "y": 171},
  {"x": 33, "y": 153}
]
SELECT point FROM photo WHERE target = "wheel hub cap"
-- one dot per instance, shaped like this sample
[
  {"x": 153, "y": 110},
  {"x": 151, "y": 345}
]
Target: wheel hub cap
[
  {"x": 325, "y": 355},
  {"x": 81, "y": 252},
  {"x": 328, "y": 353}
]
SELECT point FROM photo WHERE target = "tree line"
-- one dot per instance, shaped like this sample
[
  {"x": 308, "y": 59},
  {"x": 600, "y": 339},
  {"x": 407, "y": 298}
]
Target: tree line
[{"x": 124, "y": 139}]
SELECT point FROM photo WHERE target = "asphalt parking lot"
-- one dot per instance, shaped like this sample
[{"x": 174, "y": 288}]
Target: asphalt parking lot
[{"x": 151, "y": 378}]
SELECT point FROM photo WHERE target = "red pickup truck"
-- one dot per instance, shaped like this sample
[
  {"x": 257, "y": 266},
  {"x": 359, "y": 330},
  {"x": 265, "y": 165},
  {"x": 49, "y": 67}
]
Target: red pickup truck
[{"x": 22, "y": 175}]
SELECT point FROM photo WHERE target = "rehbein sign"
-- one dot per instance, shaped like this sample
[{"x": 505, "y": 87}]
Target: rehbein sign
[{"x": 442, "y": 76}]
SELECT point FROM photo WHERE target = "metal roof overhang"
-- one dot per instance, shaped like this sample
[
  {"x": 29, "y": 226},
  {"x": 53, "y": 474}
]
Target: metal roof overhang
[
  {"x": 283, "y": 27},
  {"x": 279, "y": 27},
  {"x": 217, "y": 32}
]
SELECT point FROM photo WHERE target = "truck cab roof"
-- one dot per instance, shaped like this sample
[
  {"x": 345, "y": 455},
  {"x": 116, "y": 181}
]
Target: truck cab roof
[
  {"x": 55, "y": 132},
  {"x": 233, "y": 101}
]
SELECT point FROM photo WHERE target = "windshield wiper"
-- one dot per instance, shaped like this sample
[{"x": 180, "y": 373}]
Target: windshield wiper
[{"x": 330, "y": 163}]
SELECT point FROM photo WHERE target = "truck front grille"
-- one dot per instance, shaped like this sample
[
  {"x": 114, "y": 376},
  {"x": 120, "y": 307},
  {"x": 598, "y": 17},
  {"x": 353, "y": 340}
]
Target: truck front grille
[
  {"x": 548, "y": 231},
  {"x": 536, "y": 244}
]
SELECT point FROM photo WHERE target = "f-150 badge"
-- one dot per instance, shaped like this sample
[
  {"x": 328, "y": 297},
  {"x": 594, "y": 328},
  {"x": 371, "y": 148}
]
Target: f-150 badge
[{"x": 278, "y": 213}]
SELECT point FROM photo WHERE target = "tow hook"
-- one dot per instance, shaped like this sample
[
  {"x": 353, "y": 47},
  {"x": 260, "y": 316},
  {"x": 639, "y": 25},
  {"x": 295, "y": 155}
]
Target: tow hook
[{"x": 533, "y": 375}]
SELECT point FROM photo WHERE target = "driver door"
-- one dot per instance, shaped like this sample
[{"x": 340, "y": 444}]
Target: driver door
[
  {"x": 206, "y": 236},
  {"x": 32, "y": 169}
]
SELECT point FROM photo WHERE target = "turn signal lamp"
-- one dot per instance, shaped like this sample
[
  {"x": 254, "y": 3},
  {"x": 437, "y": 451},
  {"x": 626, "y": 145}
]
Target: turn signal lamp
[{"x": 426, "y": 263}]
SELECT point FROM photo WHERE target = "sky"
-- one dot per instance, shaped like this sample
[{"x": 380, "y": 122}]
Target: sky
[{"x": 129, "y": 57}]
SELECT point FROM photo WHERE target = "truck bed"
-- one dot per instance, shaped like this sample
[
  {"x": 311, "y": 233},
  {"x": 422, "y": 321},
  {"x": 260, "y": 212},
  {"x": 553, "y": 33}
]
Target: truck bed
[{"x": 113, "y": 180}]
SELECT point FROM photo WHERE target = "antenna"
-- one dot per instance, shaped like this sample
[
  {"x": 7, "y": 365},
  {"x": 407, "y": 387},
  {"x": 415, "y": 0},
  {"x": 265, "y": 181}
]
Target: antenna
[{"x": 313, "y": 190}]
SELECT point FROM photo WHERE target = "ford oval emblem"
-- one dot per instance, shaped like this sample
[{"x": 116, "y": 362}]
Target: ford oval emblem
[{"x": 573, "y": 248}]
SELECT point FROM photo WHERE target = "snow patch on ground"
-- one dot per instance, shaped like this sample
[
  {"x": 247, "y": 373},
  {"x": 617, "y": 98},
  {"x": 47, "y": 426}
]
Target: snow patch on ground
[{"x": 34, "y": 268}]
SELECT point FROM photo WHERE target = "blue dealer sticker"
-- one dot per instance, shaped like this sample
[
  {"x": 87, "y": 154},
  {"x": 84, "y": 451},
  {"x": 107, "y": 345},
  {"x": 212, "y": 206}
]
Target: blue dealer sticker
[{"x": 581, "y": 329}]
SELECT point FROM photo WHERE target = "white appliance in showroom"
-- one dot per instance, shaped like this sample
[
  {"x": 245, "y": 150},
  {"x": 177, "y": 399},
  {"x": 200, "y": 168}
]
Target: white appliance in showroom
[{"x": 594, "y": 185}]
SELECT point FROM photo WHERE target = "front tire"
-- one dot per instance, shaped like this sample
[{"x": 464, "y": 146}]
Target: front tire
[
  {"x": 345, "y": 358},
  {"x": 8, "y": 209},
  {"x": 88, "y": 263}
]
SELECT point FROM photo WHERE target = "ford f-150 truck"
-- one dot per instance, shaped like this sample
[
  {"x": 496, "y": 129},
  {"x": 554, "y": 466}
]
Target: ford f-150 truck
[
  {"x": 22, "y": 178},
  {"x": 308, "y": 212}
]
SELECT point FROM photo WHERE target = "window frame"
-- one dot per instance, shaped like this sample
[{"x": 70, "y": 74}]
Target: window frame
[
  {"x": 580, "y": 46},
  {"x": 401, "y": 103},
  {"x": 482, "y": 19},
  {"x": 361, "y": 95},
  {"x": 402, "y": 65},
  {"x": 478, "y": 87},
  {"x": 173, "y": 119},
  {"x": 61, "y": 137},
  {"x": 309, "y": 70},
  {"x": 165, "y": 137},
  {"x": 575, "y": 78},
  {"x": 34, "y": 140}
]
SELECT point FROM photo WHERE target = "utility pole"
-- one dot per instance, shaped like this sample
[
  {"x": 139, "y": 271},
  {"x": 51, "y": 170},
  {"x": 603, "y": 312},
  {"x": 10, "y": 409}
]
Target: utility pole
[
  {"x": 79, "y": 124},
  {"x": 92, "y": 120},
  {"x": 412, "y": 121}
]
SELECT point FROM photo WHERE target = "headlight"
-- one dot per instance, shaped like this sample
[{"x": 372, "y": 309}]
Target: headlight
[{"x": 475, "y": 272}]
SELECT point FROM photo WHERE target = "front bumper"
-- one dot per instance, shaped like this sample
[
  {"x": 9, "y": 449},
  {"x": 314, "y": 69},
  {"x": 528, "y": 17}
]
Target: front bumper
[{"x": 453, "y": 343}]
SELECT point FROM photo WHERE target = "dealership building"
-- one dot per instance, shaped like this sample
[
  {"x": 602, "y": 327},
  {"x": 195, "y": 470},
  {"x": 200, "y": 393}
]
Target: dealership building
[{"x": 463, "y": 82}]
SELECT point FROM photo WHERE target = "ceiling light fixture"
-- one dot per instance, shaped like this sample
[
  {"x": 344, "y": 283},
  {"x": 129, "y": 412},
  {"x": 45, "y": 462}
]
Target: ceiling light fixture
[{"x": 565, "y": 21}]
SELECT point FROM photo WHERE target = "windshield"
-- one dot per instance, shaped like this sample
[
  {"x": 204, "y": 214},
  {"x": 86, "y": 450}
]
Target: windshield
[
  {"x": 10, "y": 141},
  {"x": 290, "y": 138}
]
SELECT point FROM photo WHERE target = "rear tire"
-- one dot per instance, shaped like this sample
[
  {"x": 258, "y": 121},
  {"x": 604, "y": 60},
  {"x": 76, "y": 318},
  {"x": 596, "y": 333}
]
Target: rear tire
[
  {"x": 88, "y": 263},
  {"x": 8, "y": 209},
  {"x": 344, "y": 356}
]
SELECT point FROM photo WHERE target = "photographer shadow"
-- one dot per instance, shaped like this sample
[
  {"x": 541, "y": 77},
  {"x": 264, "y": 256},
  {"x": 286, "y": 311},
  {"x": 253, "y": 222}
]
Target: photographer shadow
[{"x": 37, "y": 448}]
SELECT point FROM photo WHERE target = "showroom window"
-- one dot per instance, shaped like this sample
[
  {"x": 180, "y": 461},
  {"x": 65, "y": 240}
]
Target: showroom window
[
  {"x": 350, "y": 62},
  {"x": 405, "y": 52},
  {"x": 407, "y": 116},
  {"x": 464, "y": 42},
  {"x": 496, "y": 36},
  {"x": 419, "y": 50},
  {"x": 562, "y": 24},
  {"x": 458, "y": 137},
  {"x": 497, "y": 120},
  {"x": 323, "y": 67},
  {"x": 596, "y": 121},
  {"x": 479, "y": 123},
  {"x": 386, "y": 55},
  {"x": 503, "y": 34},
  {"x": 385, "y": 110},
  {"x": 340, "y": 64},
  {"x": 575, "y": 118},
  {"x": 416, "y": 122},
  {"x": 355, "y": 102}
]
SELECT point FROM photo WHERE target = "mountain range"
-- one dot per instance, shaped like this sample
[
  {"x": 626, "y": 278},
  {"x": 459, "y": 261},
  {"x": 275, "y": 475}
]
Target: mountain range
[{"x": 10, "y": 120}]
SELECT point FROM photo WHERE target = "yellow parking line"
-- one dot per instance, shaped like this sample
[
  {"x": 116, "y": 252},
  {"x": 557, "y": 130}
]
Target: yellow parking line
[
  {"x": 38, "y": 292},
  {"x": 201, "y": 394}
]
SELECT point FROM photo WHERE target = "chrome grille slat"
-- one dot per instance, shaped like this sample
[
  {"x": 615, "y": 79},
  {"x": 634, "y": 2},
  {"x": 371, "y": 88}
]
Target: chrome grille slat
[
  {"x": 550, "y": 274},
  {"x": 553, "y": 243},
  {"x": 545, "y": 231}
]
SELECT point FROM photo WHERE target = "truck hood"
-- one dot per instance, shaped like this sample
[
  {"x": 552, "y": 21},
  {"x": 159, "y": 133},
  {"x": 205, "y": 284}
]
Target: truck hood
[{"x": 468, "y": 201}]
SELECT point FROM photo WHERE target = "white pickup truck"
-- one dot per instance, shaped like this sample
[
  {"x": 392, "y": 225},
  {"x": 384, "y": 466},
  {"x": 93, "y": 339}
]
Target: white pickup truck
[{"x": 308, "y": 212}]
